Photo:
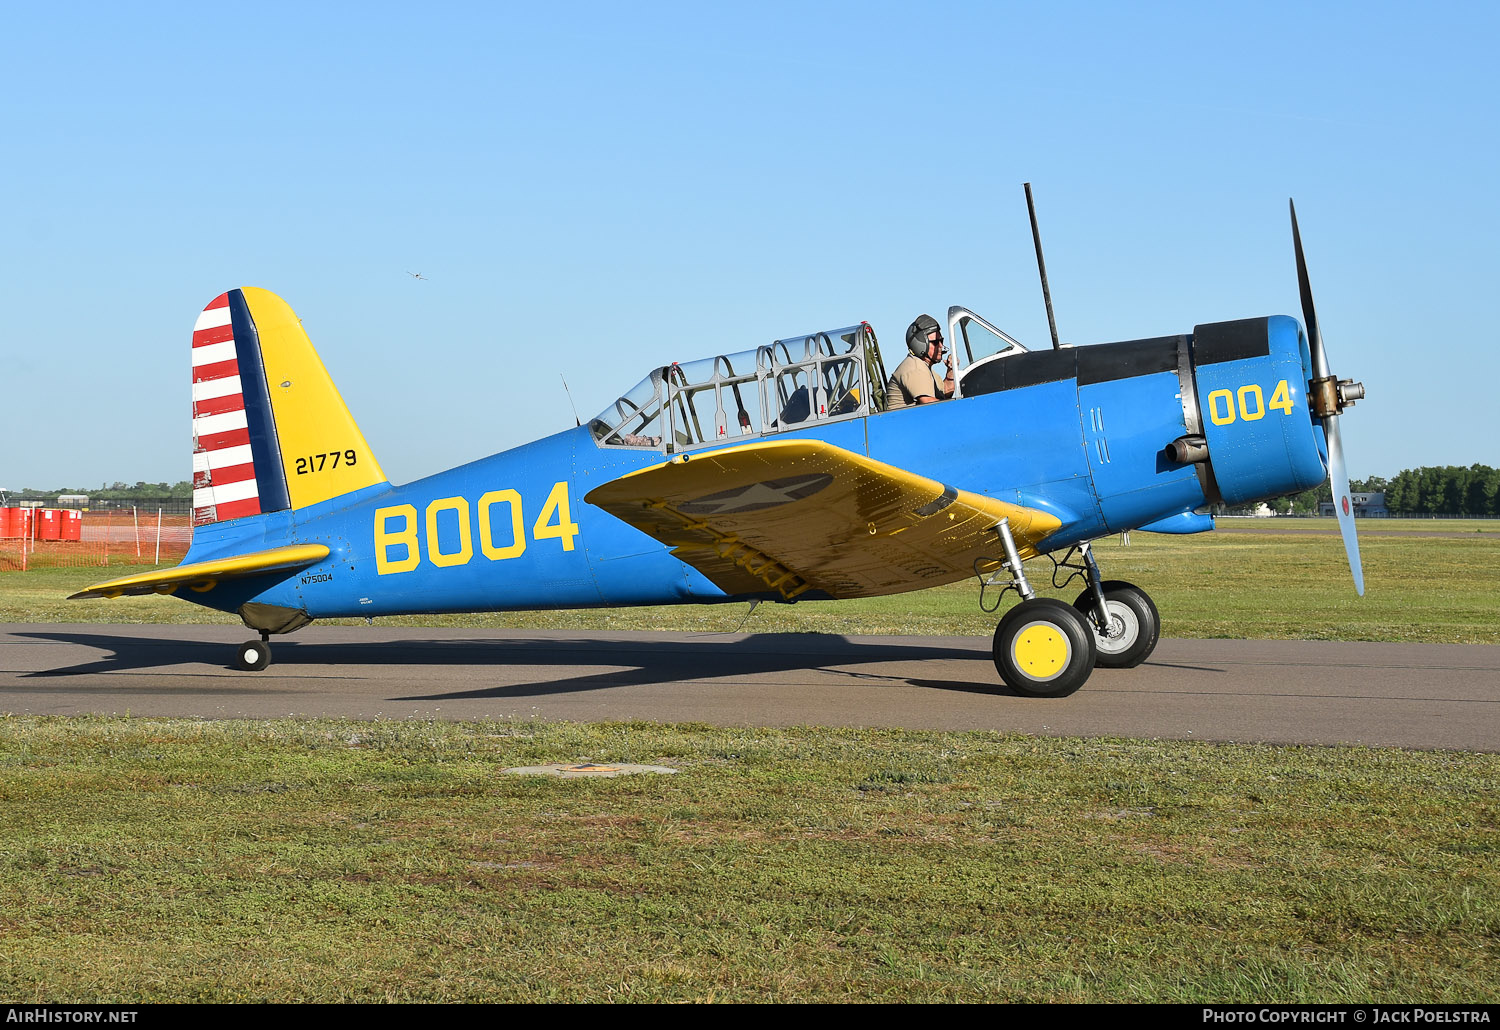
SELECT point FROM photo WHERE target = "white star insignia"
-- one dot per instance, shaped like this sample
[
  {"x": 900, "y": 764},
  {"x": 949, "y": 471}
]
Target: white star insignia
[{"x": 769, "y": 494}]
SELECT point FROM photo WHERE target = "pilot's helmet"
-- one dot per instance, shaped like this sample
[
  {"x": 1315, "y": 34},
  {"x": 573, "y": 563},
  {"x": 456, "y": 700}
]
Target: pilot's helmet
[{"x": 916, "y": 334}]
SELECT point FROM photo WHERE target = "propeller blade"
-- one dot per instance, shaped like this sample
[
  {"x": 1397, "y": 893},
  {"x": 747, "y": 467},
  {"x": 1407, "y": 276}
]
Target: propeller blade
[
  {"x": 1309, "y": 312},
  {"x": 1338, "y": 481},
  {"x": 1338, "y": 472}
]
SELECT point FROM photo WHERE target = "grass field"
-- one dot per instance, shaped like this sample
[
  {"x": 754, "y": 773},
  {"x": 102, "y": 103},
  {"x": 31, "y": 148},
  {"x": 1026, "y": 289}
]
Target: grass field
[
  {"x": 1259, "y": 583},
  {"x": 166, "y": 861},
  {"x": 146, "y": 860},
  {"x": 1365, "y": 527}
]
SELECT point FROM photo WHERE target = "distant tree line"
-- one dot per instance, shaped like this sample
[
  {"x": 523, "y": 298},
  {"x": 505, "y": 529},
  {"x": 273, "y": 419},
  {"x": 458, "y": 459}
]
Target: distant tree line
[
  {"x": 141, "y": 493},
  {"x": 1445, "y": 490},
  {"x": 1449, "y": 490}
]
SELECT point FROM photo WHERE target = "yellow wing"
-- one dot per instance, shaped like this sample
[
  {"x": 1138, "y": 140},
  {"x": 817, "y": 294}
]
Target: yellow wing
[
  {"x": 795, "y": 515},
  {"x": 203, "y": 575}
]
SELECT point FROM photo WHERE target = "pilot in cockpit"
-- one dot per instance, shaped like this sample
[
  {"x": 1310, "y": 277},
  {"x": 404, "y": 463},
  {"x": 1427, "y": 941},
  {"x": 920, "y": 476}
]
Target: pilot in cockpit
[{"x": 915, "y": 381}]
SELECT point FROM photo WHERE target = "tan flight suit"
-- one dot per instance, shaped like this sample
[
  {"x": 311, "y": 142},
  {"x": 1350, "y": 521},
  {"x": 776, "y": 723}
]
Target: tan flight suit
[{"x": 913, "y": 378}]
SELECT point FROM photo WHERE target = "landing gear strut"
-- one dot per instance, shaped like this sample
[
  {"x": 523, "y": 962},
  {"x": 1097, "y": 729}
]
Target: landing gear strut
[{"x": 254, "y": 655}]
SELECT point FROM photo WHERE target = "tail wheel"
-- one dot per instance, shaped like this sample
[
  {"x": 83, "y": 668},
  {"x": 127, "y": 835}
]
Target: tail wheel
[
  {"x": 253, "y": 656},
  {"x": 1134, "y": 625},
  {"x": 1044, "y": 648}
]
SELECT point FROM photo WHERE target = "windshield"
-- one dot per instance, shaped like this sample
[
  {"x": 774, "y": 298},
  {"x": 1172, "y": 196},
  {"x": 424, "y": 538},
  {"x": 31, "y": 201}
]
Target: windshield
[
  {"x": 635, "y": 419},
  {"x": 980, "y": 339}
]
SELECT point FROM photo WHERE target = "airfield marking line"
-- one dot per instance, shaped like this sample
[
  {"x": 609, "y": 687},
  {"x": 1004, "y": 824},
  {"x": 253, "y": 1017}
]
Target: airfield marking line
[{"x": 1306, "y": 697}]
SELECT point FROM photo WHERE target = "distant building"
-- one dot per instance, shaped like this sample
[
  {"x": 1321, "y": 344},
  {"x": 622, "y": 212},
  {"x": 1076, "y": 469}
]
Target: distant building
[
  {"x": 73, "y": 500},
  {"x": 1366, "y": 506}
]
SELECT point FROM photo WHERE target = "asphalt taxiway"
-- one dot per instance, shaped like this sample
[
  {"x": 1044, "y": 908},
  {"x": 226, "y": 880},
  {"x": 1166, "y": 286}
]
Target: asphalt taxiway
[{"x": 1410, "y": 695}]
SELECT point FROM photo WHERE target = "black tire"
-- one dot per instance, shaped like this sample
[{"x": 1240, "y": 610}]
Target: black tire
[
  {"x": 253, "y": 656},
  {"x": 1132, "y": 614},
  {"x": 1044, "y": 648}
]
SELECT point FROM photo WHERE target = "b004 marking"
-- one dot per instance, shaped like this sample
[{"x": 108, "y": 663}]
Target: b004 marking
[
  {"x": 1248, "y": 403},
  {"x": 501, "y": 534},
  {"x": 329, "y": 459}
]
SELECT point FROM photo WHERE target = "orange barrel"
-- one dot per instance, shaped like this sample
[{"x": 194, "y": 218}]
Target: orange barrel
[
  {"x": 50, "y": 526},
  {"x": 72, "y": 524},
  {"x": 8, "y": 520},
  {"x": 24, "y": 519}
]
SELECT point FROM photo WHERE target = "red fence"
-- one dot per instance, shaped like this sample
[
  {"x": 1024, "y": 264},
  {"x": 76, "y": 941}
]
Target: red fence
[{"x": 33, "y": 538}]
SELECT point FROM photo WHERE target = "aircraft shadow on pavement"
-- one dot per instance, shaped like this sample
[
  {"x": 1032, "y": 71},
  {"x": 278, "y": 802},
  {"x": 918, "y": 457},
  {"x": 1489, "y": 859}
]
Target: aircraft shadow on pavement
[{"x": 632, "y": 662}]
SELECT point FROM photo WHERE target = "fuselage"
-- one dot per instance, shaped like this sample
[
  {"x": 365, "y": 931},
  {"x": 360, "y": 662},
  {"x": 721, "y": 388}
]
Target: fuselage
[{"x": 1078, "y": 433}]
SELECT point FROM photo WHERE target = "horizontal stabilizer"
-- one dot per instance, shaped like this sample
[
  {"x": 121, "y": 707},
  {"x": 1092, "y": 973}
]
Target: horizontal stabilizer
[
  {"x": 204, "y": 575},
  {"x": 788, "y": 516}
]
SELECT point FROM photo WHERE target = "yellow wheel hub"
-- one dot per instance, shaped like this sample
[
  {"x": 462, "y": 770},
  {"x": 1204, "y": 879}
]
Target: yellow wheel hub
[{"x": 1041, "y": 651}]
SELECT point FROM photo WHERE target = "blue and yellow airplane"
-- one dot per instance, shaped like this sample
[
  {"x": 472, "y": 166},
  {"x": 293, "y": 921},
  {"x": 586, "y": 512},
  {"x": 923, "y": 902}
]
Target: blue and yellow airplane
[{"x": 776, "y": 473}]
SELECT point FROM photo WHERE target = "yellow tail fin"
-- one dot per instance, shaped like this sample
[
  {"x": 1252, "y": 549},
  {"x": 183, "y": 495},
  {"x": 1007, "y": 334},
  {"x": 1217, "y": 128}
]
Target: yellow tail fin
[{"x": 270, "y": 430}]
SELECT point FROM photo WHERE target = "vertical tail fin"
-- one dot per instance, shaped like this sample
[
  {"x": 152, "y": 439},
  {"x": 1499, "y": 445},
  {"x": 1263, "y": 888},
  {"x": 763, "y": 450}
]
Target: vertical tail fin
[{"x": 270, "y": 431}]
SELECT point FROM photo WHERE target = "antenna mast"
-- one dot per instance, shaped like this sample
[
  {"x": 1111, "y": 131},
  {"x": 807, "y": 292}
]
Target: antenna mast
[{"x": 1041, "y": 265}]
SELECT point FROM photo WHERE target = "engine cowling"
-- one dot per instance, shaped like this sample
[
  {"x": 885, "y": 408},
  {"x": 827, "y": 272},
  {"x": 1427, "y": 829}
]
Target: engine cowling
[{"x": 1252, "y": 411}]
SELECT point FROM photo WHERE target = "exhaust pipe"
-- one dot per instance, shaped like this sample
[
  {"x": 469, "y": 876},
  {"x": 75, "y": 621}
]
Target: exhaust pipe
[{"x": 1188, "y": 450}]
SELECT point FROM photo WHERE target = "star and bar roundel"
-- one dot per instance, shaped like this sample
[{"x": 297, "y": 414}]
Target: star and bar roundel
[{"x": 772, "y": 493}]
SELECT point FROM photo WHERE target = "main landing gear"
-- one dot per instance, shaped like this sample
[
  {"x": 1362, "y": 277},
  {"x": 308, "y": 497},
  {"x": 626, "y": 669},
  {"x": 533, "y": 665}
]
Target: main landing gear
[
  {"x": 1047, "y": 648},
  {"x": 254, "y": 655},
  {"x": 1133, "y": 626}
]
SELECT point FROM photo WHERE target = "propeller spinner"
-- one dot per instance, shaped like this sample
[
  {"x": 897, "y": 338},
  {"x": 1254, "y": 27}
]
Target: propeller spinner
[{"x": 1328, "y": 396}]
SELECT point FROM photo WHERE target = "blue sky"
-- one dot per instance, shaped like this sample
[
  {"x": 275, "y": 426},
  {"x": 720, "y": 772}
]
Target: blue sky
[{"x": 593, "y": 189}]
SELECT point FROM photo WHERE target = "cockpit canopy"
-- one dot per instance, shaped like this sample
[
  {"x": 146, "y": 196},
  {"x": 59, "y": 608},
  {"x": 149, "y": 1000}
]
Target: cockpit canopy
[{"x": 788, "y": 384}]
